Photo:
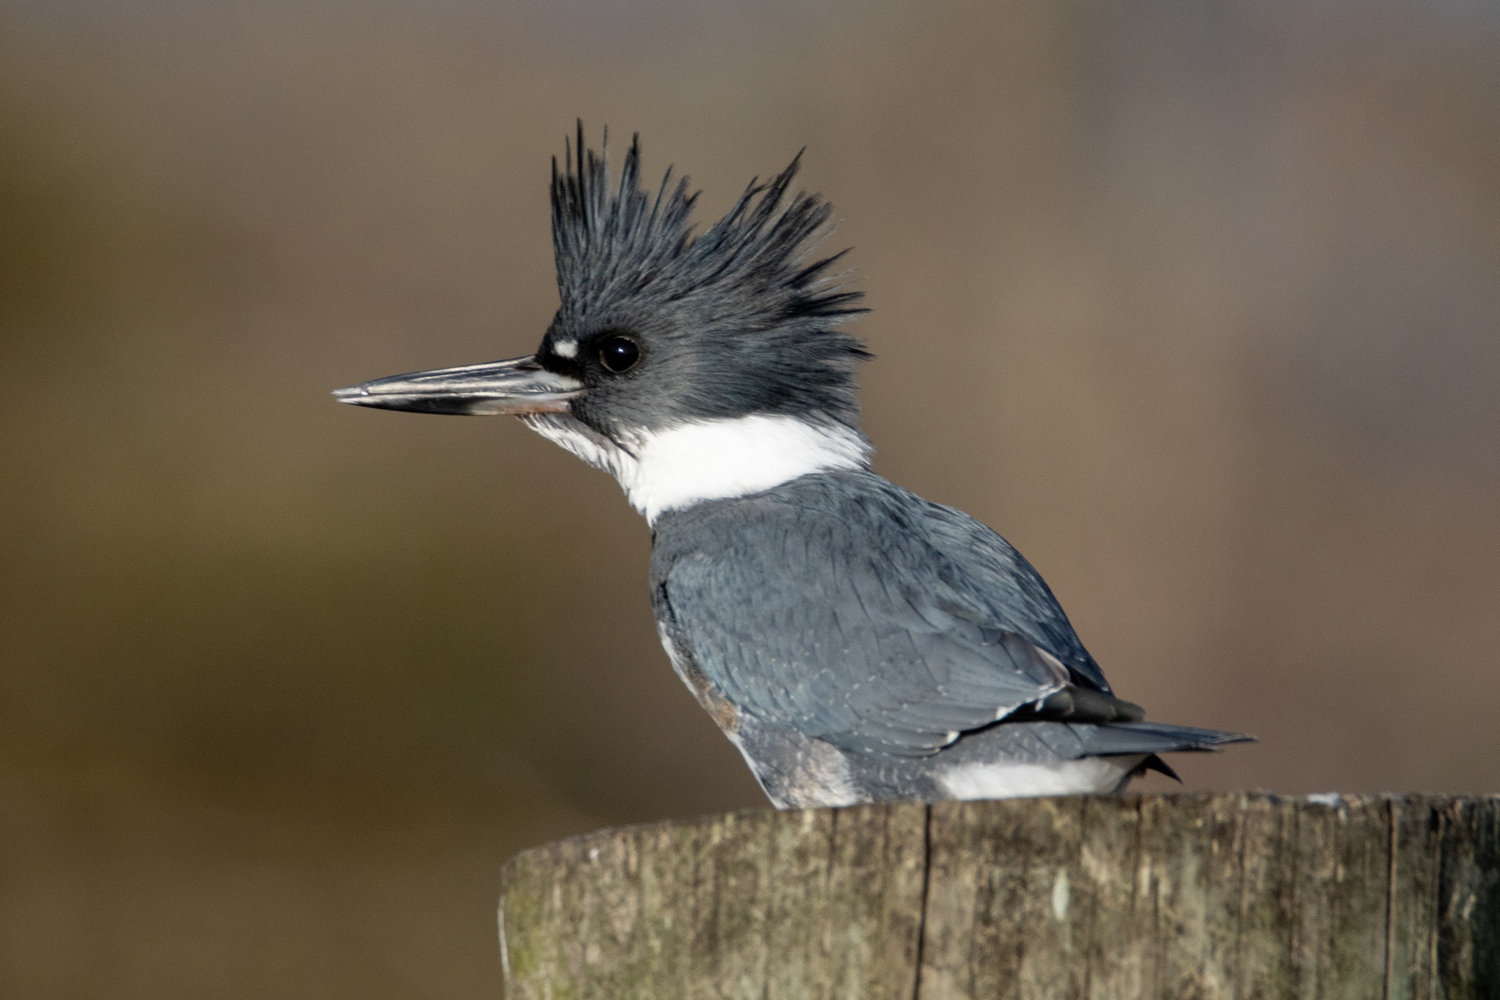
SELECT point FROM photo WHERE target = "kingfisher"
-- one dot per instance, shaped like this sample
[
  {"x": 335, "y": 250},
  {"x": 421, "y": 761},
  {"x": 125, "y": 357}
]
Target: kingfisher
[{"x": 855, "y": 642}]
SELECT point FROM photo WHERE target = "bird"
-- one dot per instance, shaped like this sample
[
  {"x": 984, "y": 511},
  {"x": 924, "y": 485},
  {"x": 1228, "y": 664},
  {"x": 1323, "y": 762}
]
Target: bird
[{"x": 856, "y": 642}]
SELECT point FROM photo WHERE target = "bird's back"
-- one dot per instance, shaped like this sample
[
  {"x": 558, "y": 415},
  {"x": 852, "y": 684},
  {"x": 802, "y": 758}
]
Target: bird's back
[{"x": 859, "y": 643}]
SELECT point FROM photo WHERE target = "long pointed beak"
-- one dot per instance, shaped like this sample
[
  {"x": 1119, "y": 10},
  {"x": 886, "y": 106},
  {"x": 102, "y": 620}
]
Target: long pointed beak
[{"x": 518, "y": 385}]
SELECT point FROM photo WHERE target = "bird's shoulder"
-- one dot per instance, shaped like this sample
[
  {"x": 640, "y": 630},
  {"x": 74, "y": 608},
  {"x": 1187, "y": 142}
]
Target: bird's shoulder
[
  {"x": 825, "y": 532},
  {"x": 851, "y": 507},
  {"x": 851, "y": 609}
]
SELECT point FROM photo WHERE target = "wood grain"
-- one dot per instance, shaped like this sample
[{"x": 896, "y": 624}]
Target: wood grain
[{"x": 1178, "y": 897}]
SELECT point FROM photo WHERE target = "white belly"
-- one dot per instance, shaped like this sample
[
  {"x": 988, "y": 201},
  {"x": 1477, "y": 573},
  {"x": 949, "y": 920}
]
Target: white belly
[{"x": 1013, "y": 781}]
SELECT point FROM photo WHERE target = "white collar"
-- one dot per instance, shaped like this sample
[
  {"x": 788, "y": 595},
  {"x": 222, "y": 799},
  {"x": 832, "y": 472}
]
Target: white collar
[{"x": 709, "y": 459}]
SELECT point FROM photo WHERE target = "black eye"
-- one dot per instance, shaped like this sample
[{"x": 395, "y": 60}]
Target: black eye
[{"x": 618, "y": 354}]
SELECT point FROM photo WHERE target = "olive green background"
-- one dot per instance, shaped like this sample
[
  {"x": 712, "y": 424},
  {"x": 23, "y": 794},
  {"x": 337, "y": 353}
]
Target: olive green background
[{"x": 1197, "y": 302}]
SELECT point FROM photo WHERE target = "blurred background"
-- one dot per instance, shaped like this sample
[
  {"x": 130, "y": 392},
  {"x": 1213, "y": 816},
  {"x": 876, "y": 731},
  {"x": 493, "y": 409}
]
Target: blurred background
[{"x": 1198, "y": 303}]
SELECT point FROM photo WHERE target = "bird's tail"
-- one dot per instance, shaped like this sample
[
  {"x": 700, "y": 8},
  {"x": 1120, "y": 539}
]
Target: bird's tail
[
  {"x": 1153, "y": 737},
  {"x": 1156, "y": 738}
]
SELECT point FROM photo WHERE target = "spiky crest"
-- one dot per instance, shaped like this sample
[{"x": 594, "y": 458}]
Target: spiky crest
[
  {"x": 613, "y": 243},
  {"x": 746, "y": 279}
]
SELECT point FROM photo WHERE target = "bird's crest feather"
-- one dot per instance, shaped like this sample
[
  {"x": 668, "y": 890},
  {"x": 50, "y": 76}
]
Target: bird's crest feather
[{"x": 620, "y": 248}]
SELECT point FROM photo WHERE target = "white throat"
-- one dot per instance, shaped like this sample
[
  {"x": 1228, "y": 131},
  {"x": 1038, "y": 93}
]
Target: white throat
[{"x": 709, "y": 459}]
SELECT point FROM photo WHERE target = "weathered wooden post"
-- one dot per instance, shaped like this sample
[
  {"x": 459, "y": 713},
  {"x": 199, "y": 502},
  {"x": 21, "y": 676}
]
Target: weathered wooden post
[{"x": 1159, "y": 896}]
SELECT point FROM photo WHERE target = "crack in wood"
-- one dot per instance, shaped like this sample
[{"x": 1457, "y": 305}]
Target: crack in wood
[{"x": 916, "y": 989}]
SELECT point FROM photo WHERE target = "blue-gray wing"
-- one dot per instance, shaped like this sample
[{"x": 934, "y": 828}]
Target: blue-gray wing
[{"x": 851, "y": 610}]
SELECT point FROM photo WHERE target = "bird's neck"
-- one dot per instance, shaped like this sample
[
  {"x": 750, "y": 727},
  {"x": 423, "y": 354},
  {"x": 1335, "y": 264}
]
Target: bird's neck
[{"x": 713, "y": 459}]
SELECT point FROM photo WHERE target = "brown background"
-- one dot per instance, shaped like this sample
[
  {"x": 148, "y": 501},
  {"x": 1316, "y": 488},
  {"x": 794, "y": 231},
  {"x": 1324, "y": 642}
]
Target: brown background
[{"x": 1198, "y": 303}]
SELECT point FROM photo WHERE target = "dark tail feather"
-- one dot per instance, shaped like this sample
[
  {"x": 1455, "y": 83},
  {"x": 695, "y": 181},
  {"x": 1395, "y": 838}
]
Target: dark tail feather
[{"x": 1152, "y": 738}]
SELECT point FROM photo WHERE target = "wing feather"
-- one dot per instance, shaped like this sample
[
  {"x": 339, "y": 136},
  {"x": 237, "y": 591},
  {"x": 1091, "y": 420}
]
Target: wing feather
[{"x": 854, "y": 611}]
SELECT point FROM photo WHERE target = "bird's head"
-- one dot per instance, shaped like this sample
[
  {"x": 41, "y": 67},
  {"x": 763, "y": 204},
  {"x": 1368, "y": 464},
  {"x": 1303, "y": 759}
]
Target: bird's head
[{"x": 691, "y": 367}]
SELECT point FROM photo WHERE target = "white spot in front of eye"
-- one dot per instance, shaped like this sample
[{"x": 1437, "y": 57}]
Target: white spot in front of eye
[{"x": 565, "y": 348}]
